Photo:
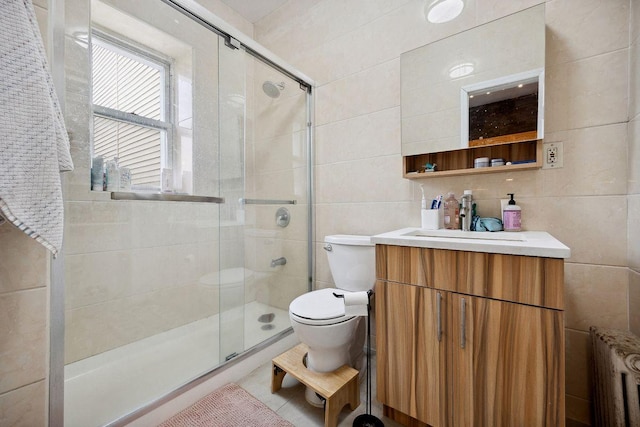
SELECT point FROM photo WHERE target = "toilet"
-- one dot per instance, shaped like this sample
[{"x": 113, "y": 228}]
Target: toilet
[
  {"x": 230, "y": 284},
  {"x": 318, "y": 317}
]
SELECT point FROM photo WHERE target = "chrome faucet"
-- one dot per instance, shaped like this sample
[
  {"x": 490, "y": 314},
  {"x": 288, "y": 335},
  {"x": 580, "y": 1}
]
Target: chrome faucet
[
  {"x": 466, "y": 210},
  {"x": 279, "y": 261}
]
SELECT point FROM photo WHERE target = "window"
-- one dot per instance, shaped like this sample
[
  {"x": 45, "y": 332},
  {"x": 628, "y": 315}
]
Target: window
[{"x": 131, "y": 109}]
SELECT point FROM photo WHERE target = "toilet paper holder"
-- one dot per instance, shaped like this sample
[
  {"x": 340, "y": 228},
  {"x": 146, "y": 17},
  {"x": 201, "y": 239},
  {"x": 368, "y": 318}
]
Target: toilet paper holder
[{"x": 369, "y": 292}]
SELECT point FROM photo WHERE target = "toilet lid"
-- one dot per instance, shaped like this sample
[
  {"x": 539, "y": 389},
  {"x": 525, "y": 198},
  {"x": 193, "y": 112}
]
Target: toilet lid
[{"x": 318, "y": 305}]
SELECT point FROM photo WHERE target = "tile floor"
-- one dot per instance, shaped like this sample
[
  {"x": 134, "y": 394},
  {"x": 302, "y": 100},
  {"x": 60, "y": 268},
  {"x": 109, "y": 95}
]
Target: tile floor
[{"x": 290, "y": 404}]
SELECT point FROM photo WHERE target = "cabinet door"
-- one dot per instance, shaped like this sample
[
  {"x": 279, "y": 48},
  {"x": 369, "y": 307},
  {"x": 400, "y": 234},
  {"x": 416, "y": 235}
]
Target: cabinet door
[
  {"x": 410, "y": 359},
  {"x": 507, "y": 364}
]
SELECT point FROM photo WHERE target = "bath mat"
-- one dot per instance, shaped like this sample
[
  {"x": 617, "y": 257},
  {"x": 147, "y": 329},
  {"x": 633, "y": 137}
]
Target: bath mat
[{"x": 228, "y": 406}]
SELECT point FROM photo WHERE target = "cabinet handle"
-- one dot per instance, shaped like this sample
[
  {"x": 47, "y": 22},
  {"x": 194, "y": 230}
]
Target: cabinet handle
[
  {"x": 438, "y": 320},
  {"x": 463, "y": 323}
]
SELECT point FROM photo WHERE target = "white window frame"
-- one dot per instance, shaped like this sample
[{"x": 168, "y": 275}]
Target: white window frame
[{"x": 153, "y": 59}]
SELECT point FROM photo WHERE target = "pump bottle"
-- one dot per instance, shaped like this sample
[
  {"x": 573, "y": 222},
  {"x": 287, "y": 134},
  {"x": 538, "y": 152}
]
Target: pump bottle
[
  {"x": 512, "y": 216},
  {"x": 451, "y": 213}
]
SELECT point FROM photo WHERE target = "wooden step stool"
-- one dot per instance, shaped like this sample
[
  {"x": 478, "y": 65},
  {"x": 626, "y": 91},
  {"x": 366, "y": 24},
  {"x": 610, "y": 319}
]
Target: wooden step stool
[{"x": 338, "y": 388}]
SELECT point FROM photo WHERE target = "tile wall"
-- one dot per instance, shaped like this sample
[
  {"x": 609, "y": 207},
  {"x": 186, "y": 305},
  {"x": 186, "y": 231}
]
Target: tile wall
[
  {"x": 352, "y": 50},
  {"x": 24, "y": 264},
  {"x": 634, "y": 171},
  {"x": 24, "y": 316}
]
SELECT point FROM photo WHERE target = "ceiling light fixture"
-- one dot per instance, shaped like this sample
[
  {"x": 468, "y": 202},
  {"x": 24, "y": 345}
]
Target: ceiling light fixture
[
  {"x": 461, "y": 70},
  {"x": 440, "y": 11}
]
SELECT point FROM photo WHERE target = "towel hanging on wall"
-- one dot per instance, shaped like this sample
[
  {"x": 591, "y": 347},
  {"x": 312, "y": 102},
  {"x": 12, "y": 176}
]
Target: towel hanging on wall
[{"x": 34, "y": 146}]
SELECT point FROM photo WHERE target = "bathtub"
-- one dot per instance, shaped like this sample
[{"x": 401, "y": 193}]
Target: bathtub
[{"x": 103, "y": 388}]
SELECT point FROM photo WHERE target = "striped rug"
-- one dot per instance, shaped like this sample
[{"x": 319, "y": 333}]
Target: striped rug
[{"x": 228, "y": 406}]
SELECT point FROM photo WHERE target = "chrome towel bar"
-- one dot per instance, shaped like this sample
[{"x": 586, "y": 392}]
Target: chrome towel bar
[
  {"x": 266, "y": 202},
  {"x": 165, "y": 197}
]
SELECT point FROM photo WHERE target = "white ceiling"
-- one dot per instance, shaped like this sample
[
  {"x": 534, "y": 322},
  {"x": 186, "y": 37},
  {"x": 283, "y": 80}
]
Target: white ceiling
[{"x": 254, "y": 10}]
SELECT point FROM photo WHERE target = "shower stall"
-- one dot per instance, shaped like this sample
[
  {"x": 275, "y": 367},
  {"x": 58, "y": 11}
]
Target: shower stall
[{"x": 196, "y": 262}]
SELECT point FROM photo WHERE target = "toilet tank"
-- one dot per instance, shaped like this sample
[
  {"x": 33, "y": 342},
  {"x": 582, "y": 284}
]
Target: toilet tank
[{"x": 352, "y": 260}]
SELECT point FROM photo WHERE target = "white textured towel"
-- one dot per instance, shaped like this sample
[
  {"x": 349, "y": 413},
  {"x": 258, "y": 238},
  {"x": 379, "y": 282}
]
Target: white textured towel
[{"x": 34, "y": 146}]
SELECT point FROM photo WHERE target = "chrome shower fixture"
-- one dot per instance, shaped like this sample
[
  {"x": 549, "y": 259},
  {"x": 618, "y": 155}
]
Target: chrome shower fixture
[{"x": 272, "y": 89}]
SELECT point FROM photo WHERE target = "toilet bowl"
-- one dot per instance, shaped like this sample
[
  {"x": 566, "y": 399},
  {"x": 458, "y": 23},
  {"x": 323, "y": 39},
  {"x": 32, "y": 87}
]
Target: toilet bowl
[
  {"x": 230, "y": 283},
  {"x": 318, "y": 317}
]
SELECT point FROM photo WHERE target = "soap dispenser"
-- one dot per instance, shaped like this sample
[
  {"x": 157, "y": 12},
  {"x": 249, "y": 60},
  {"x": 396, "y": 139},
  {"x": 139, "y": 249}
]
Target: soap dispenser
[
  {"x": 512, "y": 216},
  {"x": 451, "y": 213}
]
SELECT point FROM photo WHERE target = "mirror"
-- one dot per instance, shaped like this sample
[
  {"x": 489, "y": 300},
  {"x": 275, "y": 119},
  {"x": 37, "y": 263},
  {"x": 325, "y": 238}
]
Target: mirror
[
  {"x": 444, "y": 86},
  {"x": 507, "y": 109}
]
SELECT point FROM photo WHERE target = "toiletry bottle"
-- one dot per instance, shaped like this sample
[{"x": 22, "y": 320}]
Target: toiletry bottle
[
  {"x": 423, "y": 208},
  {"x": 451, "y": 213},
  {"x": 125, "y": 179},
  {"x": 466, "y": 212},
  {"x": 97, "y": 174},
  {"x": 112, "y": 175},
  {"x": 512, "y": 216}
]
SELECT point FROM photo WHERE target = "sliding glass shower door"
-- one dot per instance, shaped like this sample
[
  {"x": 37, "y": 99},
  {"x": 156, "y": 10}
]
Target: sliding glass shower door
[
  {"x": 264, "y": 181},
  {"x": 198, "y": 259}
]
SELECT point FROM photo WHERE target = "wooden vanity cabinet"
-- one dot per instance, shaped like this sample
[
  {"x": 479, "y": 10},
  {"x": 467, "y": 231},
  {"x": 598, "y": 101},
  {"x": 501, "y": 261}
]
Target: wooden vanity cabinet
[
  {"x": 451, "y": 358},
  {"x": 411, "y": 360}
]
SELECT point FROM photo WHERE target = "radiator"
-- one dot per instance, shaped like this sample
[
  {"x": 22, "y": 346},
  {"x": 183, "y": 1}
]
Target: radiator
[{"x": 616, "y": 356}]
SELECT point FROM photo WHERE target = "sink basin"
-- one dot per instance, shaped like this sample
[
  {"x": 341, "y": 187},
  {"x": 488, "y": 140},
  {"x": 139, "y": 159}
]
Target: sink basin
[
  {"x": 476, "y": 235},
  {"x": 527, "y": 243}
]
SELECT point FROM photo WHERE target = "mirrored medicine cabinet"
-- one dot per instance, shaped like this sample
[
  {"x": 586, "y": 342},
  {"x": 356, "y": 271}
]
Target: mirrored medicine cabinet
[{"x": 479, "y": 93}]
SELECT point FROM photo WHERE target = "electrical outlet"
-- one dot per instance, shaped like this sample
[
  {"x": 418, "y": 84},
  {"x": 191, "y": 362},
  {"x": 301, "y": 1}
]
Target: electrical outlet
[{"x": 552, "y": 152}]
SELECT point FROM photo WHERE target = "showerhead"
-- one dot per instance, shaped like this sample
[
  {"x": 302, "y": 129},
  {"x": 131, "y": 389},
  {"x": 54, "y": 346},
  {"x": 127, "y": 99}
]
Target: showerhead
[{"x": 272, "y": 89}]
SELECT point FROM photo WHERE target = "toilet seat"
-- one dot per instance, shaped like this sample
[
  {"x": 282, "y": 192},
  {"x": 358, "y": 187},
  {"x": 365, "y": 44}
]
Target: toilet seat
[{"x": 319, "y": 308}]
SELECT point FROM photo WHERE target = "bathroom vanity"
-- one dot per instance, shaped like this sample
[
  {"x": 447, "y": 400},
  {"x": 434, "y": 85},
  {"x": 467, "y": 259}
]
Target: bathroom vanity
[{"x": 470, "y": 328}]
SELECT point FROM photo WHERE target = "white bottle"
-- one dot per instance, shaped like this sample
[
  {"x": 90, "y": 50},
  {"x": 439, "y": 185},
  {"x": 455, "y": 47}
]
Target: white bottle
[
  {"x": 125, "y": 179},
  {"x": 97, "y": 174},
  {"x": 512, "y": 216},
  {"x": 112, "y": 175},
  {"x": 423, "y": 210}
]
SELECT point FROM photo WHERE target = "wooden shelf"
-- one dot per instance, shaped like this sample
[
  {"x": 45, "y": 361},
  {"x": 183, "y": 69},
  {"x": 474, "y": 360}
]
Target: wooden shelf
[{"x": 460, "y": 162}]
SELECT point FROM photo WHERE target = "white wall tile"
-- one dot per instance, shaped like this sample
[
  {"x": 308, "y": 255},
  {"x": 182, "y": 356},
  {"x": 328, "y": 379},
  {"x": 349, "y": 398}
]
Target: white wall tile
[
  {"x": 595, "y": 296},
  {"x": 25, "y": 406},
  {"x": 594, "y": 228},
  {"x": 583, "y": 93},
  {"x": 363, "y": 177},
  {"x": 634, "y": 156},
  {"x": 578, "y": 363},
  {"x": 23, "y": 261},
  {"x": 634, "y": 301},
  {"x": 595, "y": 162},
  {"x": 24, "y": 338},
  {"x": 633, "y": 214},
  {"x": 579, "y": 29},
  {"x": 369, "y": 135},
  {"x": 375, "y": 89}
]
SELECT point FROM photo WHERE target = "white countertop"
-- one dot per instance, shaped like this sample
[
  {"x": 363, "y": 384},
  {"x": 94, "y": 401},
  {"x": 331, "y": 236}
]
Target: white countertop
[{"x": 528, "y": 243}]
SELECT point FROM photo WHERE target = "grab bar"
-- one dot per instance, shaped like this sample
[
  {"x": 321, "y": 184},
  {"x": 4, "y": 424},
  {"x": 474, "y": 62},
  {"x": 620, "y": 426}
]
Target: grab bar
[
  {"x": 165, "y": 197},
  {"x": 266, "y": 202}
]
